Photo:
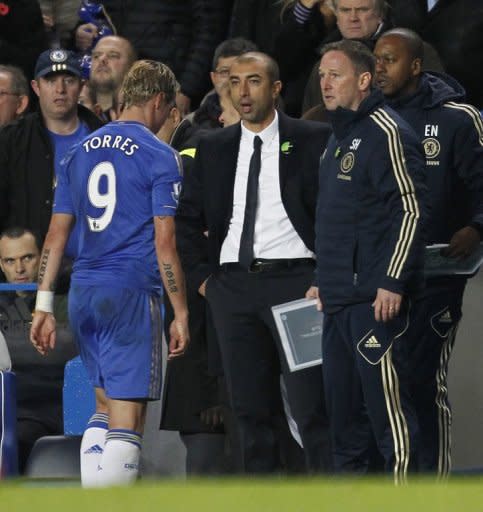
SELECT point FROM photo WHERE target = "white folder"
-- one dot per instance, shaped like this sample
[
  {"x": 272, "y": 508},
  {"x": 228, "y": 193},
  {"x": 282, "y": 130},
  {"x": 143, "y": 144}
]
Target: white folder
[{"x": 299, "y": 325}]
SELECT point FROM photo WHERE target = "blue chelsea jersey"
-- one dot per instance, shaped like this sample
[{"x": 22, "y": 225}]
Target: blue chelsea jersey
[{"x": 114, "y": 182}]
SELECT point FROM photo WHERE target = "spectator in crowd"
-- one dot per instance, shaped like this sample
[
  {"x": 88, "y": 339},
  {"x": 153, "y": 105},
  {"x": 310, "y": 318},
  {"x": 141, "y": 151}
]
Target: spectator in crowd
[
  {"x": 257, "y": 21},
  {"x": 225, "y": 54},
  {"x": 22, "y": 34},
  {"x": 14, "y": 94},
  {"x": 306, "y": 25},
  {"x": 60, "y": 18},
  {"x": 39, "y": 380},
  {"x": 122, "y": 195},
  {"x": 183, "y": 35},
  {"x": 252, "y": 261},
  {"x": 451, "y": 133},
  {"x": 304, "y": 33},
  {"x": 32, "y": 147},
  {"x": 369, "y": 250},
  {"x": 207, "y": 115},
  {"x": 111, "y": 59},
  {"x": 455, "y": 29}
]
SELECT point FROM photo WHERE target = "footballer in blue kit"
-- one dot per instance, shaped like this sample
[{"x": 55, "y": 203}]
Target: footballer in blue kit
[
  {"x": 114, "y": 182},
  {"x": 120, "y": 186}
]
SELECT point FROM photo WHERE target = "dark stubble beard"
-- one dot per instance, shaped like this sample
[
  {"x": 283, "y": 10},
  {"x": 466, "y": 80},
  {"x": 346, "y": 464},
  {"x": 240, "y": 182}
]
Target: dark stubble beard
[{"x": 104, "y": 87}]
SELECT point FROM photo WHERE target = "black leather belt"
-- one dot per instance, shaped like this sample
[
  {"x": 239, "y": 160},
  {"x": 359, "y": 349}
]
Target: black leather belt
[{"x": 265, "y": 265}]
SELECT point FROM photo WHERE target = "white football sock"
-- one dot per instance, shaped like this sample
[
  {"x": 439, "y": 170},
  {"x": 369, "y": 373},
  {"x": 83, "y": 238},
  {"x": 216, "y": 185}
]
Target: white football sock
[
  {"x": 120, "y": 460},
  {"x": 92, "y": 447}
]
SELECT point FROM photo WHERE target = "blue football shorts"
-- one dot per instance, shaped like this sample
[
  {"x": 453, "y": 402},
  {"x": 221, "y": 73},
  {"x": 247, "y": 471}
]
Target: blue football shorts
[{"x": 118, "y": 332}]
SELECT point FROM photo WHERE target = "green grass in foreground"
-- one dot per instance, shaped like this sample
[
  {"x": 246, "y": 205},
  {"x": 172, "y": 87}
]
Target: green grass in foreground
[{"x": 248, "y": 495}]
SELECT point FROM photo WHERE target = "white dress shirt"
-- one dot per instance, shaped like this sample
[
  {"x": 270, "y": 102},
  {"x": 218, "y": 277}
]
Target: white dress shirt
[{"x": 275, "y": 236}]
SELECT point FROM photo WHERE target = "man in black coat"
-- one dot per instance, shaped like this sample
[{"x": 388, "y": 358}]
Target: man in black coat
[
  {"x": 31, "y": 147},
  {"x": 258, "y": 253}
]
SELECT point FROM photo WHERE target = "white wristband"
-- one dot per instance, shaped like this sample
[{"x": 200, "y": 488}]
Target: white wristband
[{"x": 45, "y": 301}]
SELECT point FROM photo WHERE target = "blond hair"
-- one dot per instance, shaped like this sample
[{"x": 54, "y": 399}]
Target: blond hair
[{"x": 146, "y": 79}]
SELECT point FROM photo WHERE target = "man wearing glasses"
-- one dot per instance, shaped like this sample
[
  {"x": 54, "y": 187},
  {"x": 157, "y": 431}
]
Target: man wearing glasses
[{"x": 14, "y": 94}]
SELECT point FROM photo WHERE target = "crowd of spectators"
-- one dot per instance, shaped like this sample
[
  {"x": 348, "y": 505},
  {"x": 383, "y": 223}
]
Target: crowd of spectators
[{"x": 42, "y": 43}]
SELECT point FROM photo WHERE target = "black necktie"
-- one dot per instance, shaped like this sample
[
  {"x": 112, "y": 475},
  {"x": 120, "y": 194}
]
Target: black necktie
[{"x": 245, "y": 256}]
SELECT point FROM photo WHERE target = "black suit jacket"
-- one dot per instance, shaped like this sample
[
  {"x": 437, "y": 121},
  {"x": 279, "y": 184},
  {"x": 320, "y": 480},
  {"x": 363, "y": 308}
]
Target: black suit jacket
[{"x": 206, "y": 202}]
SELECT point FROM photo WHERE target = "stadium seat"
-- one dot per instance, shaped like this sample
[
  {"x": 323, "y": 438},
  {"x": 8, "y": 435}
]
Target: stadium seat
[
  {"x": 58, "y": 457},
  {"x": 55, "y": 457}
]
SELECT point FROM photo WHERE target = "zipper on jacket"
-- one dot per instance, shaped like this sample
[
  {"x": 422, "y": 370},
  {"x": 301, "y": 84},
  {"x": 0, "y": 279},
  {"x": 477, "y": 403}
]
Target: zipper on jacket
[{"x": 354, "y": 264}]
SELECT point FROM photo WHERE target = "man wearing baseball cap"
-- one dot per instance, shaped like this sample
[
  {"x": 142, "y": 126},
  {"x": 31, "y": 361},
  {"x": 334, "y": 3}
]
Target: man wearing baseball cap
[{"x": 31, "y": 148}]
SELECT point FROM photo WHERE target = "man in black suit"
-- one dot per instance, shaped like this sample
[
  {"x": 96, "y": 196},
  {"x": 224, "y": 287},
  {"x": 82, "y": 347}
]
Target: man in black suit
[{"x": 253, "y": 190}]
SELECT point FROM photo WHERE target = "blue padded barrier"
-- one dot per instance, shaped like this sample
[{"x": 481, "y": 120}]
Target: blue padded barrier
[
  {"x": 79, "y": 398},
  {"x": 8, "y": 425}
]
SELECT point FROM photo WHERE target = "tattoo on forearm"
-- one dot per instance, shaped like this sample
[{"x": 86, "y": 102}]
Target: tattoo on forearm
[
  {"x": 43, "y": 265},
  {"x": 162, "y": 217},
  {"x": 170, "y": 279}
]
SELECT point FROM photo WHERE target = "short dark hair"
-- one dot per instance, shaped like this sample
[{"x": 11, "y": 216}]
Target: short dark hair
[
  {"x": 413, "y": 41},
  {"x": 358, "y": 53},
  {"x": 270, "y": 63},
  {"x": 232, "y": 48},
  {"x": 18, "y": 232},
  {"x": 20, "y": 85}
]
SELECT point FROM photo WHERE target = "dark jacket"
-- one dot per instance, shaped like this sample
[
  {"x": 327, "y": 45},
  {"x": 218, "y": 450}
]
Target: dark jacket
[
  {"x": 370, "y": 208},
  {"x": 455, "y": 29},
  {"x": 22, "y": 34},
  {"x": 296, "y": 51},
  {"x": 27, "y": 171},
  {"x": 39, "y": 378},
  {"x": 207, "y": 199},
  {"x": 180, "y": 33},
  {"x": 452, "y": 136},
  {"x": 257, "y": 21},
  {"x": 189, "y": 388}
]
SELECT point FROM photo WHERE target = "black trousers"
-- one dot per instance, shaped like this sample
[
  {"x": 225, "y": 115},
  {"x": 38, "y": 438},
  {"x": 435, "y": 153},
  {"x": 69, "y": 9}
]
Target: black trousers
[
  {"x": 365, "y": 366},
  {"x": 434, "y": 322},
  {"x": 253, "y": 358}
]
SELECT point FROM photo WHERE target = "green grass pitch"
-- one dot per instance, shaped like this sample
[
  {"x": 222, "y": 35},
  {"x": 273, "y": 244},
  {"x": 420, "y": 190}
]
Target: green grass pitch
[{"x": 248, "y": 495}]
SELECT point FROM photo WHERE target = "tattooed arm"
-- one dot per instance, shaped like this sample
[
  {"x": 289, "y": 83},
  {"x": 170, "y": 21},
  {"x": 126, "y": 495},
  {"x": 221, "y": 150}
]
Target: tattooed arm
[
  {"x": 42, "y": 333},
  {"x": 174, "y": 284}
]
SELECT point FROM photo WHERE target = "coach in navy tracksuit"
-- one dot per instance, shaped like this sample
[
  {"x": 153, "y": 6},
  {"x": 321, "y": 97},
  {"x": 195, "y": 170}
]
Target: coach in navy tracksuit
[
  {"x": 452, "y": 136},
  {"x": 369, "y": 261}
]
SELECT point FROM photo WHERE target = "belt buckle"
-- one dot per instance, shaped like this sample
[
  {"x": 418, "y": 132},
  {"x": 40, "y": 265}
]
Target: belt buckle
[{"x": 255, "y": 267}]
